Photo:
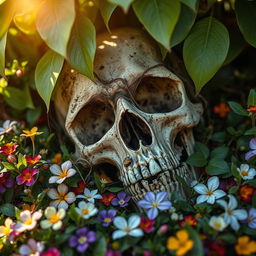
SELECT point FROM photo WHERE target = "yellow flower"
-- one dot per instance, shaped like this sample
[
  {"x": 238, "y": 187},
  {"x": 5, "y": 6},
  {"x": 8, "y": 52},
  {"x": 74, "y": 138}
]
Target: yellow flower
[
  {"x": 31, "y": 133},
  {"x": 181, "y": 243},
  {"x": 6, "y": 229},
  {"x": 245, "y": 246}
]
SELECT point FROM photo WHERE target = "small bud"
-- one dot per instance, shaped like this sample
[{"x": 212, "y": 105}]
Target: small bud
[
  {"x": 11, "y": 159},
  {"x": 19, "y": 73},
  {"x": 163, "y": 229},
  {"x": 174, "y": 216},
  {"x": 27, "y": 191},
  {"x": 45, "y": 166}
]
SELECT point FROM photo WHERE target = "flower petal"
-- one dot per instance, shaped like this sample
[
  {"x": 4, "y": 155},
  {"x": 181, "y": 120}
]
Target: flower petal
[
  {"x": 232, "y": 204},
  {"x": 53, "y": 194},
  {"x": 118, "y": 234},
  {"x": 144, "y": 204},
  {"x": 213, "y": 183},
  {"x": 161, "y": 196},
  {"x": 91, "y": 237},
  {"x": 53, "y": 179},
  {"x": 165, "y": 205},
  {"x": 61, "y": 213},
  {"x": 136, "y": 232},
  {"x": 252, "y": 143},
  {"x": 234, "y": 223},
  {"x": 222, "y": 203},
  {"x": 62, "y": 189},
  {"x": 202, "y": 198},
  {"x": 120, "y": 222},
  {"x": 250, "y": 154},
  {"x": 25, "y": 250},
  {"x": 219, "y": 193},
  {"x": 211, "y": 199},
  {"x": 70, "y": 197},
  {"x": 71, "y": 172},
  {"x": 240, "y": 214},
  {"x": 45, "y": 224},
  {"x": 57, "y": 225},
  {"x": 63, "y": 205},
  {"x": 55, "y": 169},
  {"x": 152, "y": 213},
  {"x": 150, "y": 197},
  {"x": 66, "y": 165},
  {"x": 200, "y": 189},
  {"x": 133, "y": 221}
]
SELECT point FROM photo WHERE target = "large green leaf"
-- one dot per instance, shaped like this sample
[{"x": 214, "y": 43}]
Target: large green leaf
[
  {"x": 54, "y": 22},
  {"x": 190, "y": 3},
  {"x": 246, "y": 16},
  {"x": 159, "y": 17},
  {"x": 47, "y": 73},
  {"x": 2, "y": 54},
  {"x": 106, "y": 10},
  {"x": 82, "y": 46},
  {"x": 125, "y": 4},
  {"x": 6, "y": 14},
  {"x": 205, "y": 50},
  {"x": 183, "y": 26}
]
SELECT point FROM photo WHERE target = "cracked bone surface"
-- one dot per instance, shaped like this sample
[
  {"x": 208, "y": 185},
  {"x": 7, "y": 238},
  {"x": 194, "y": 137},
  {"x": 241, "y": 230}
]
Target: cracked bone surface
[{"x": 135, "y": 120}]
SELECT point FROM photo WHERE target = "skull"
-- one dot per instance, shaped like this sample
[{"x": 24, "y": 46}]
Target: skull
[{"x": 135, "y": 120}]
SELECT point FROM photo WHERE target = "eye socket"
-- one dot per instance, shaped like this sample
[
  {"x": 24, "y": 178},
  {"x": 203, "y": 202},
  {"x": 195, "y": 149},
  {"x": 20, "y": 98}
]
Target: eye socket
[
  {"x": 93, "y": 121},
  {"x": 158, "y": 95}
]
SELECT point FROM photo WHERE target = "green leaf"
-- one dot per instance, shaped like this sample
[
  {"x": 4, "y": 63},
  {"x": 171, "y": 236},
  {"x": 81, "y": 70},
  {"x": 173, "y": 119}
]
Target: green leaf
[
  {"x": 47, "y": 72},
  {"x": 82, "y": 46},
  {"x": 101, "y": 247},
  {"x": 199, "y": 147},
  {"x": 237, "y": 108},
  {"x": 198, "y": 247},
  {"x": 9, "y": 166},
  {"x": 33, "y": 115},
  {"x": 106, "y": 10},
  {"x": 2, "y": 54},
  {"x": 205, "y": 50},
  {"x": 159, "y": 17},
  {"x": 251, "y": 101},
  {"x": 217, "y": 166},
  {"x": 190, "y": 3},
  {"x": 7, "y": 10},
  {"x": 125, "y": 4},
  {"x": 183, "y": 26},
  {"x": 8, "y": 210},
  {"x": 246, "y": 16},
  {"x": 114, "y": 189},
  {"x": 197, "y": 159},
  {"x": 219, "y": 152},
  {"x": 251, "y": 131},
  {"x": 54, "y": 21},
  {"x": 17, "y": 98}
]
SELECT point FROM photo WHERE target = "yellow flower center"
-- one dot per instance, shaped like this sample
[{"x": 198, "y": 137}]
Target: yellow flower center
[
  {"x": 85, "y": 211},
  {"x": 54, "y": 218},
  {"x": 209, "y": 193},
  {"x": 6, "y": 231},
  {"x": 82, "y": 239},
  {"x": 155, "y": 204},
  {"x": 217, "y": 225},
  {"x": 28, "y": 222},
  {"x": 127, "y": 230},
  {"x": 107, "y": 220},
  {"x": 244, "y": 173},
  {"x": 229, "y": 211},
  {"x": 63, "y": 174}
]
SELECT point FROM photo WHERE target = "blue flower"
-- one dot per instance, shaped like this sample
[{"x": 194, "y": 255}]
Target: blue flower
[
  {"x": 252, "y": 152},
  {"x": 154, "y": 203}
]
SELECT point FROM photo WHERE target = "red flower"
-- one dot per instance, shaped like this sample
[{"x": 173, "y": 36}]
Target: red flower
[
  {"x": 80, "y": 188},
  {"x": 221, "y": 110},
  {"x": 246, "y": 192},
  {"x": 190, "y": 220},
  {"x": 33, "y": 159},
  {"x": 215, "y": 249},
  {"x": 251, "y": 109},
  {"x": 8, "y": 149},
  {"x": 27, "y": 176},
  {"x": 107, "y": 198},
  {"x": 146, "y": 224}
]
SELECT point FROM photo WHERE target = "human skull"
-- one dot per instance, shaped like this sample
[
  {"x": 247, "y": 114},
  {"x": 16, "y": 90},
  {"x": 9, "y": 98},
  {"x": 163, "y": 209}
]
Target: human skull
[{"x": 135, "y": 119}]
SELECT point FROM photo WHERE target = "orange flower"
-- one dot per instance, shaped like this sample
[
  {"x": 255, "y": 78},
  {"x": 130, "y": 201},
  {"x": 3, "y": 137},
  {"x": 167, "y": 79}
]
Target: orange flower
[
  {"x": 251, "y": 109},
  {"x": 80, "y": 188},
  {"x": 57, "y": 158},
  {"x": 190, "y": 220},
  {"x": 245, "y": 246},
  {"x": 246, "y": 192},
  {"x": 8, "y": 149},
  {"x": 181, "y": 243},
  {"x": 221, "y": 110},
  {"x": 31, "y": 208},
  {"x": 33, "y": 159},
  {"x": 107, "y": 198}
]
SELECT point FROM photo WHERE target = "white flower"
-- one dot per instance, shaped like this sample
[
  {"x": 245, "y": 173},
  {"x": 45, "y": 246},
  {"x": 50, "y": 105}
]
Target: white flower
[
  {"x": 53, "y": 218},
  {"x": 209, "y": 193},
  {"x": 217, "y": 223},
  {"x": 61, "y": 197},
  {"x": 232, "y": 215},
  {"x": 246, "y": 172},
  {"x": 32, "y": 248},
  {"x": 86, "y": 210},
  {"x": 7, "y": 126},
  {"x": 28, "y": 220},
  {"x": 62, "y": 172},
  {"x": 90, "y": 196},
  {"x": 125, "y": 227}
]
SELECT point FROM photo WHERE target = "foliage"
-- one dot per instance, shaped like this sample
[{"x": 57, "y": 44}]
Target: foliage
[{"x": 68, "y": 28}]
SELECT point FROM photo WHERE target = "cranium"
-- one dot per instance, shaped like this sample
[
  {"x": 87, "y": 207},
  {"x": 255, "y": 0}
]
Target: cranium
[{"x": 135, "y": 119}]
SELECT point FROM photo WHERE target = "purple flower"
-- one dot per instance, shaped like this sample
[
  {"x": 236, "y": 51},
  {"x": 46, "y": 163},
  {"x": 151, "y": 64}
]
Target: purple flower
[
  {"x": 252, "y": 152},
  {"x": 121, "y": 200},
  {"x": 251, "y": 219},
  {"x": 113, "y": 253},
  {"x": 154, "y": 202},
  {"x": 5, "y": 181},
  {"x": 227, "y": 184},
  {"x": 106, "y": 217},
  {"x": 82, "y": 238}
]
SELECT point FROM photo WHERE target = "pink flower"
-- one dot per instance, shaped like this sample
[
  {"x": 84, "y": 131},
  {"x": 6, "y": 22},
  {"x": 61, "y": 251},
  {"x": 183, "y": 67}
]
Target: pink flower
[
  {"x": 27, "y": 176},
  {"x": 31, "y": 160},
  {"x": 27, "y": 221},
  {"x": 51, "y": 252},
  {"x": 32, "y": 248},
  {"x": 5, "y": 181},
  {"x": 8, "y": 149}
]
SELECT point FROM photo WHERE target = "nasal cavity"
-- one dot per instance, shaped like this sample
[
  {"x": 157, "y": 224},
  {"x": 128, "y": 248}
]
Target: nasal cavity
[{"x": 133, "y": 130}]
